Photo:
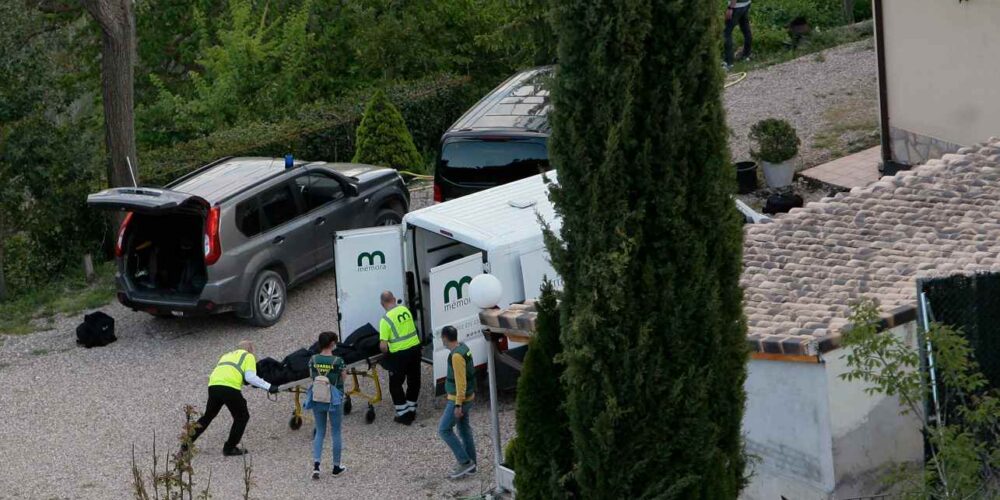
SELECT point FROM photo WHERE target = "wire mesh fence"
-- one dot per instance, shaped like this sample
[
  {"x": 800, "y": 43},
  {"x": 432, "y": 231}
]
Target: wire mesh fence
[{"x": 971, "y": 305}]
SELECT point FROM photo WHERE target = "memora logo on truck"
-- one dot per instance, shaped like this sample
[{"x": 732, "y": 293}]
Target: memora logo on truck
[
  {"x": 367, "y": 261},
  {"x": 454, "y": 293}
]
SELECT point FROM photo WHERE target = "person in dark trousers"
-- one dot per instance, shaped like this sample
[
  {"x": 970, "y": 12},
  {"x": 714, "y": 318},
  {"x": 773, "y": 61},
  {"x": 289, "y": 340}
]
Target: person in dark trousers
[
  {"x": 326, "y": 364},
  {"x": 225, "y": 385},
  {"x": 398, "y": 337},
  {"x": 461, "y": 388},
  {"x": 737, "y": 13}
]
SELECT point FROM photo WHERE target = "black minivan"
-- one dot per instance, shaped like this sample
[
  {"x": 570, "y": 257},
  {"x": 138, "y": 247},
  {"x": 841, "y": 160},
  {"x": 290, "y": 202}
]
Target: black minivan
[{"x": 501, "y": 139}]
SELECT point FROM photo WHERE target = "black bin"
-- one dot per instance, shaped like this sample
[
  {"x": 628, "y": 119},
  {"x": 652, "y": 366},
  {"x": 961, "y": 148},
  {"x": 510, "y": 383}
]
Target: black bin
[{"x": 746, "y": 177}]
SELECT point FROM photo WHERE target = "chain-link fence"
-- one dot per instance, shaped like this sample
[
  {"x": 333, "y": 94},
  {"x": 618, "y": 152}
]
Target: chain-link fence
[{"x": 970, "y": 304}]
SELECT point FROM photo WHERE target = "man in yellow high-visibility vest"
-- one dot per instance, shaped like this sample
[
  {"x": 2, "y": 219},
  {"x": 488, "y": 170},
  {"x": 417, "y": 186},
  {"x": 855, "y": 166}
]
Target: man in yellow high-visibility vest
[
  {"x": 225, "y": 384},
  {"x": 398, "y": 336}
]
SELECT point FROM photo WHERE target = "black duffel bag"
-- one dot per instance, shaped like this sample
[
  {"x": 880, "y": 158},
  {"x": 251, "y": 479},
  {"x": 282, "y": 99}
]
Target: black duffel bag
[{"x": 97, "y": 330}]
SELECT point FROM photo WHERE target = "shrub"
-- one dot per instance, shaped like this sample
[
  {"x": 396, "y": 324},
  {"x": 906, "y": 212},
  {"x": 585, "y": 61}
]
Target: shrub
[
  {"x": 325, "y": 131},
  {"x": 653, "y": 337},
  {"x": 542, "y": 467},
  {"x": 383, "y": 138},
  {"x": 776, "y": 140}
]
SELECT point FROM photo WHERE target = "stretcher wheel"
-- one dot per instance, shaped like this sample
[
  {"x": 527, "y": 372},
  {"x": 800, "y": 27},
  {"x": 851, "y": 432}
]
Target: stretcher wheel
[
  {"x": 347, "y": 406},
  {"x": 295, "y": 423},
  {"x": 370, "y": 414}
]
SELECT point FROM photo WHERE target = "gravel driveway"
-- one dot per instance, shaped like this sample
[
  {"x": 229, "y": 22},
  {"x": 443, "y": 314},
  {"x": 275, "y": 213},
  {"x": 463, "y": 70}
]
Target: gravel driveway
[
  {"x": 76, "y": 442},
  {"x": 800, "y": 91}
]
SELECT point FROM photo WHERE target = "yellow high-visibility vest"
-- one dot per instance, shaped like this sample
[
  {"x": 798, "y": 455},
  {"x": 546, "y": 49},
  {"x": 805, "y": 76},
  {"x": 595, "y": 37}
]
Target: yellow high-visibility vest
[
  {"x": 231, "y": 368},
  {"x": 398, "y": 329}
]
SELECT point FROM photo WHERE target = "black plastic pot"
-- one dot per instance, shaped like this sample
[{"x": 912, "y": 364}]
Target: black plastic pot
[
  {"x": 746, "y": 177},
  {"x": 779, "y": 203}
]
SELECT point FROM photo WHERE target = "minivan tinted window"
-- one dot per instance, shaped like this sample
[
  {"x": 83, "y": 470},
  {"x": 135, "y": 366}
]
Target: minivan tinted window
[
  {"x": 493, "y": 161},
  {"x": 278, "y": 205}
]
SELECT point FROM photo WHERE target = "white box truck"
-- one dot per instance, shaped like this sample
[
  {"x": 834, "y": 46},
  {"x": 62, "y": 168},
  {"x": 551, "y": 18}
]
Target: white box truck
[{"x": 431, "y": 258}]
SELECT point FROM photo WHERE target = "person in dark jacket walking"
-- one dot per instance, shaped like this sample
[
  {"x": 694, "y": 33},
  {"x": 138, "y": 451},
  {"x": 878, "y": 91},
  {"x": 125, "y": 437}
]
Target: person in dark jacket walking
[{"x": 737, "y": 14}]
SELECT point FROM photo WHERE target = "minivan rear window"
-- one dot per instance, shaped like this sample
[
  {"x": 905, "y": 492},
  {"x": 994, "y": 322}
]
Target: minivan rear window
[
  {"x": 248, "y": 217},
  {"x": 481, "y": 160}
]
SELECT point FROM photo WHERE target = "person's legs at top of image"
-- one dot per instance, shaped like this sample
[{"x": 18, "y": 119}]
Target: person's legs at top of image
[
  {"x": 237, "y": 406},
  {"x": 413, "y": 369},
  {"x": 336, "y": 440},
  {"x": 465, "y": 433},
  {"x": 728, "y": 38},
  {"x": 319, "y": 417},
  {"x": 446, "y": 429},
  {"x": 744, "y": 21}
]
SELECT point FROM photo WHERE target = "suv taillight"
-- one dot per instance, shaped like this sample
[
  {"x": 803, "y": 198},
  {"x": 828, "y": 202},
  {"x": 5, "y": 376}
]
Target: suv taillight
[
  {"x": 120, "y": 242},
  {"x": 438, "y": 196},
  {"x": 213, "y": 244}
]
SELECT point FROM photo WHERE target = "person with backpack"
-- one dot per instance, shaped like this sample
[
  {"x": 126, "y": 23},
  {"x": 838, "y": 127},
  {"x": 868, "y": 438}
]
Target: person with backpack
[
  {"x": 461, "y": 388},
  {"x": 326, "y": 400},
  {"x": 234, "y": 370}
]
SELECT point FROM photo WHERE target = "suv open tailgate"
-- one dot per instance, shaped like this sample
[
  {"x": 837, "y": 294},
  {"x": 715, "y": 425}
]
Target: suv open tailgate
[{"x": 146, "y": 200}]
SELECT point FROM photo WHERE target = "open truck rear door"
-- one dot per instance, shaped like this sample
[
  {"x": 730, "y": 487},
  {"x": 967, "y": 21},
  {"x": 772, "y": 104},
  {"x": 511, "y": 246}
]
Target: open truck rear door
[
  {"x": 451, "y": 305},
  {"x": 368, "y": 262}
]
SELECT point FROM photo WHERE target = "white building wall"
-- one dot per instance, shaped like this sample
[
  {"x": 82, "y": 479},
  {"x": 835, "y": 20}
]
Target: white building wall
[
  {"x": 869, "y": 433},
  {"x": 787, "y": 425},
  {"x": 940, "y": 75}
]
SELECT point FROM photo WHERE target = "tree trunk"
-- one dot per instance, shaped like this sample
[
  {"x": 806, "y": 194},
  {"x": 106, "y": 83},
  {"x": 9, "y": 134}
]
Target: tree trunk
[
  {"x": 849, "y": 11},
  {"x": 117, "y": 22},
  {"x": 3, "y": 239}
]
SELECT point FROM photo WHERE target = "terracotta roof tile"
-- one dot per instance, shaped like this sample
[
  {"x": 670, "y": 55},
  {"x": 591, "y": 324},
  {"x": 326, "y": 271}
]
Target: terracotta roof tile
[{"x": 939, "y": 218}]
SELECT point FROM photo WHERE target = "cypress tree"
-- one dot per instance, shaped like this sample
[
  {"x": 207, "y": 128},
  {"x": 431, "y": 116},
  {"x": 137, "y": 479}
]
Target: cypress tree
[
  {"x": 652, "y": 328},
  {"x": 542, "y": 454},
  {"x": 383, "y": 139}
]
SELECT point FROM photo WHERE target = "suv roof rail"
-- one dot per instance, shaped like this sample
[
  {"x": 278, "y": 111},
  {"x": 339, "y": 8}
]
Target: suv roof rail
[
  {"x": 198, "y": 171},
  {"x": 284, "y": 171}
]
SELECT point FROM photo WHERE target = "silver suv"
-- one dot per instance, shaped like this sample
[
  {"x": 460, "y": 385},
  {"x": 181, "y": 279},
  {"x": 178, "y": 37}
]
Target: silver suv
[{"x": 235, "y": 234}]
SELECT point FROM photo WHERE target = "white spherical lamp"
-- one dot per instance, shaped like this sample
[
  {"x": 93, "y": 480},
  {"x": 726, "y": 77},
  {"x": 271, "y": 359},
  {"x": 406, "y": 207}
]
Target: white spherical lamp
[{"x": 485, "y": 291}]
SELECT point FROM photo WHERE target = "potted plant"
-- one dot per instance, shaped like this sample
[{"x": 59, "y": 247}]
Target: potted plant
[{"x": 775, "y": 144}]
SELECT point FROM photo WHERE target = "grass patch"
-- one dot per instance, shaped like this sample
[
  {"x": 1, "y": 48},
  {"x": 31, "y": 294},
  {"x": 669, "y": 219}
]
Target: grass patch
[
  {"x": 815, "y": 43},
  {"x": 67, "y": 295},
  {"x": 39, "y": 352},
  {"x": 851, "y": 125}
]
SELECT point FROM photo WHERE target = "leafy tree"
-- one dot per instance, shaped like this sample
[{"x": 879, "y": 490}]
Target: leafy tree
[
  {"x": 383, "y": 138},
  {"x": 649, "y": 249},
  {"x": 964, "y": 458},
  {"x": 542, "y": 456}
]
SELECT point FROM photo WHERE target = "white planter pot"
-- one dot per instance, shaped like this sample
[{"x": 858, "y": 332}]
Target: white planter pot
[{"x": 778, "y": 175}]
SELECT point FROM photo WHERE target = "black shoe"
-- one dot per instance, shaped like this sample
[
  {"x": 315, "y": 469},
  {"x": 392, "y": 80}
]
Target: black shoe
[
  {"x": 234, "y": 452},
  {"x": 338, "y": 470},
  {"x": 403, "y": 419}
]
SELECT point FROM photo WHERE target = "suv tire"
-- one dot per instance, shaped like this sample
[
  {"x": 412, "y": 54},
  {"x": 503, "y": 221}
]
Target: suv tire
[
  {"x": 268, "y": 298},
  {"x": 388, "y": 217}
]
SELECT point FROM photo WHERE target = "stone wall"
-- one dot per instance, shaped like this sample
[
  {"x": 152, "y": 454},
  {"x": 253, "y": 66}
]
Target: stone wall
[{"x": 915, "y": 149}]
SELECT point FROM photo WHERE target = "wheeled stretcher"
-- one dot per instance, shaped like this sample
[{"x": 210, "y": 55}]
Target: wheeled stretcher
[{"x": 361, "y": 369}]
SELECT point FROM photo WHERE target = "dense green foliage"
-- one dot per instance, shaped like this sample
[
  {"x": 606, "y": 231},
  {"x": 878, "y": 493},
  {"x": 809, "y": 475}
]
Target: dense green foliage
[
  {"x": 649, "y": 250},
  {"x": 383, "y": 138},
  {"x": 218, "y": 78},
  {"x": 324, "y": 131},
  {"x": 542, "y": 455},
  {"x": 964, "y": 461},
  {"x": 774, "y": 140},
  {"x": 770, "y": 18}
]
